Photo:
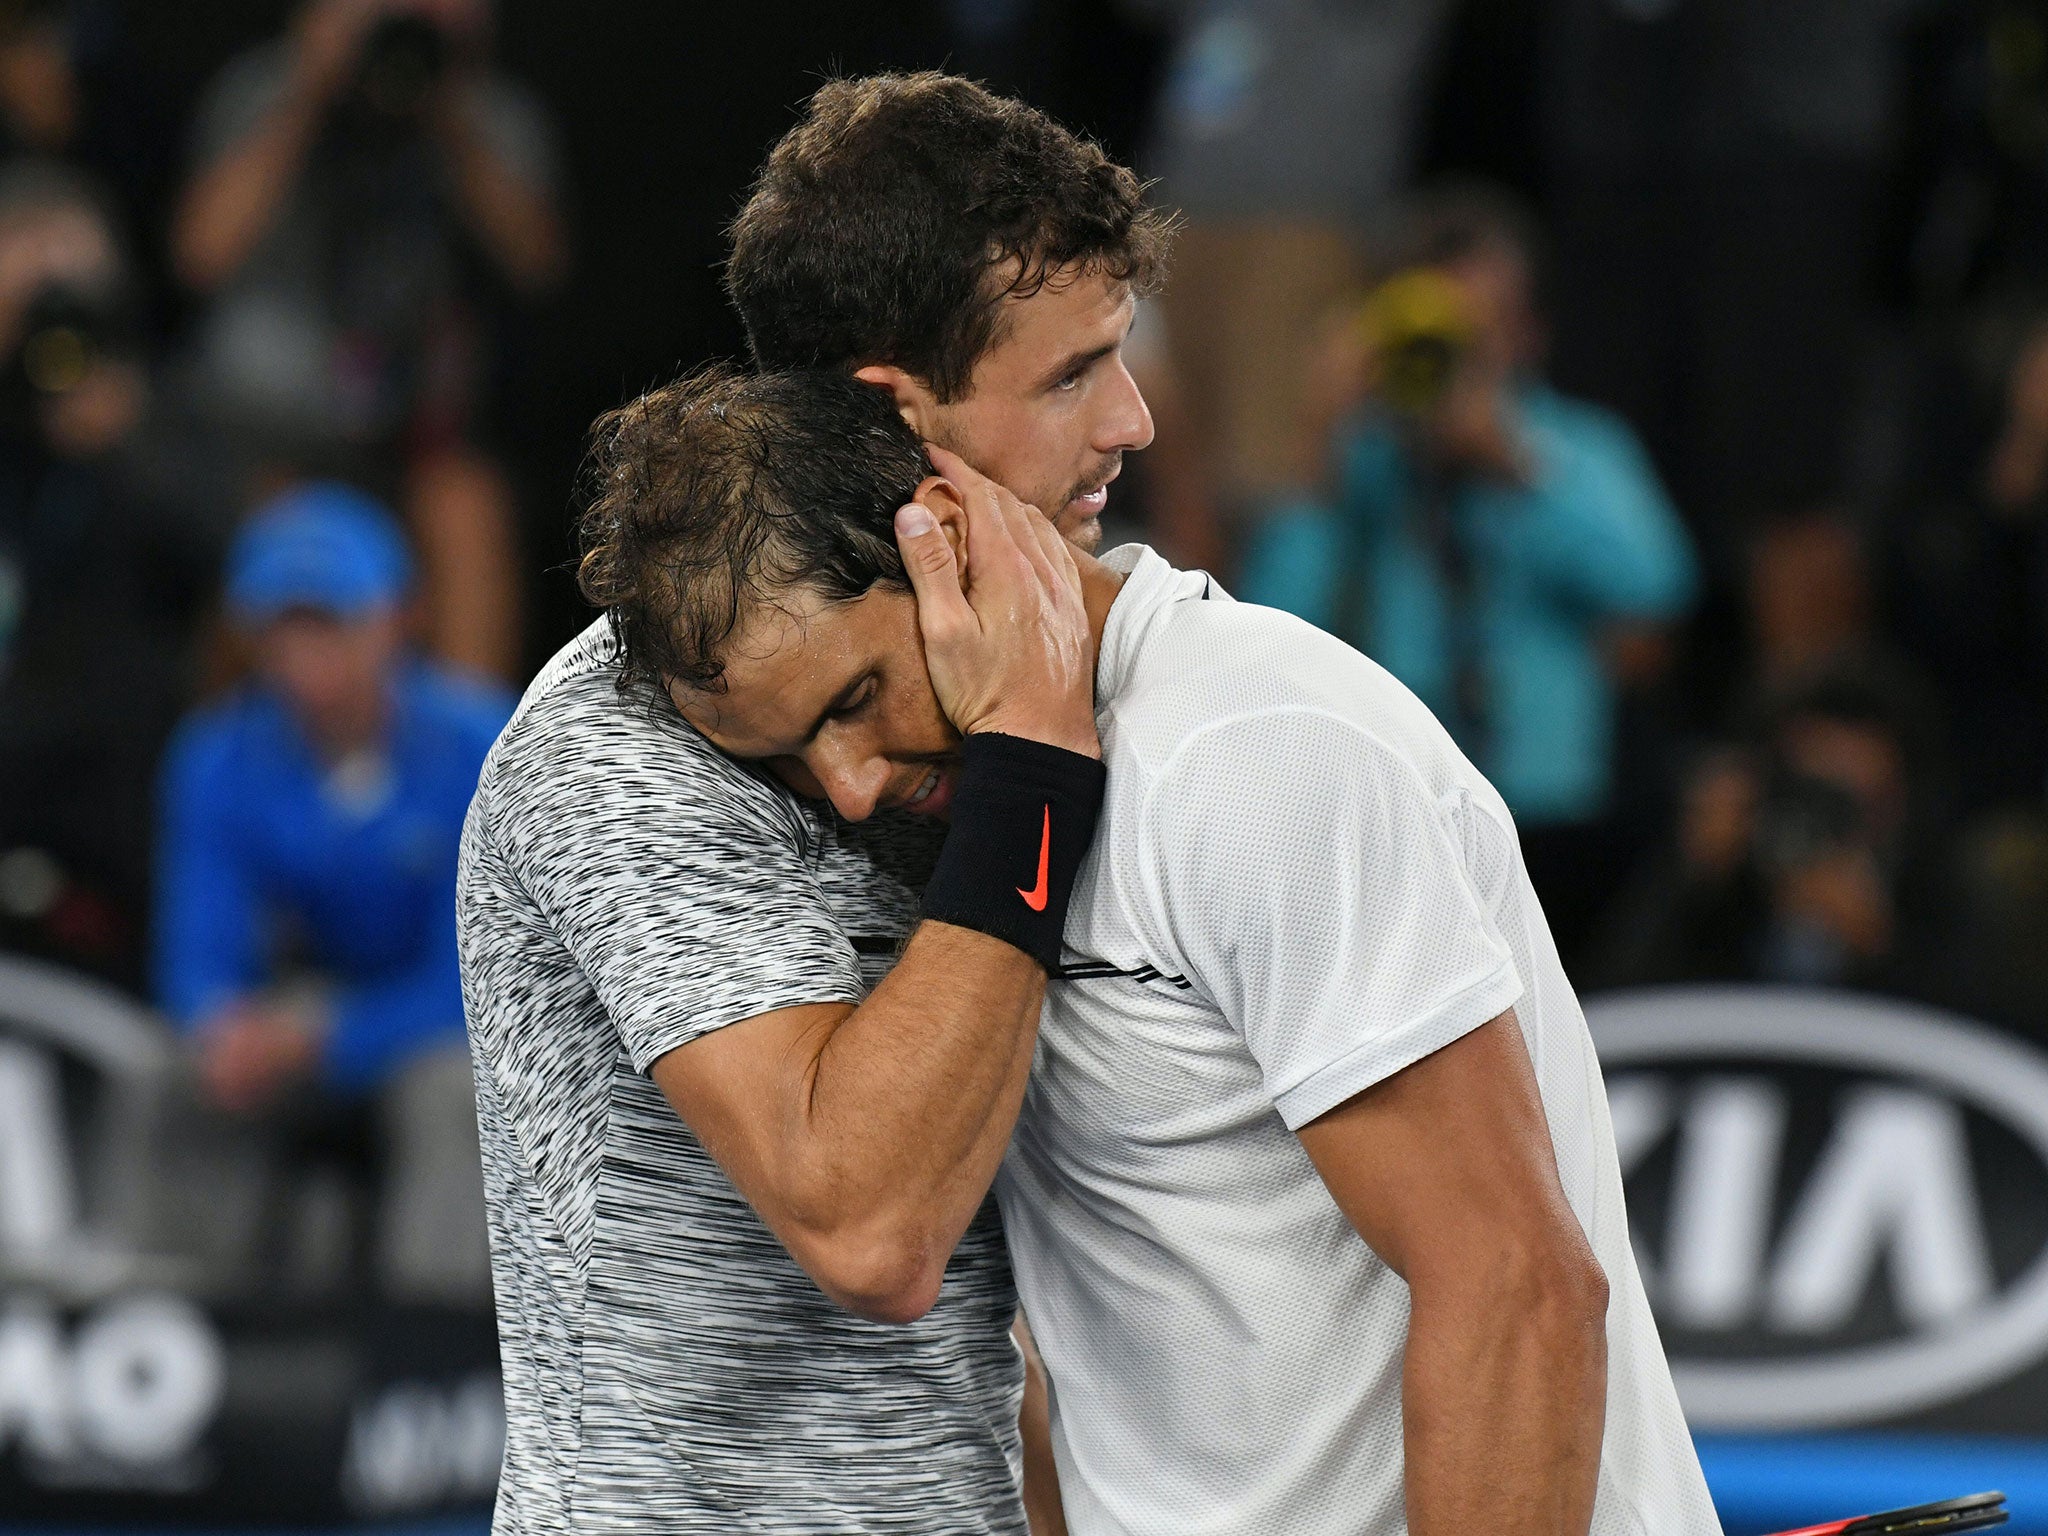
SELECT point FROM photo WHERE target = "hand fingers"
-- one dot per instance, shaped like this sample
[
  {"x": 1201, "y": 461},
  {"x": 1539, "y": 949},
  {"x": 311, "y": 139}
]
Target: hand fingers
[
  {"x": 1017, "y": 524},
  {"x": 1050, "y": 554},
  {"x": 1048, "y": 536},
  {"x": 978, "y": 493},
  {"x": 928, "y": 562},
  {"x": 1056, "y": 548},
  {"x": 991, "y": 507},
  {"x": 994, "y": 558},
  {"x": 955, "y": 468}
]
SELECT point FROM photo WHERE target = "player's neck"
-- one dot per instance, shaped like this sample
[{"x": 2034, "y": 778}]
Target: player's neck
[{"x": 1099, "y": 587}]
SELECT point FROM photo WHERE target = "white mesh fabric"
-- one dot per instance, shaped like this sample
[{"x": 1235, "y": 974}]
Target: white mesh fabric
[{"x": 1327, "y": 914}]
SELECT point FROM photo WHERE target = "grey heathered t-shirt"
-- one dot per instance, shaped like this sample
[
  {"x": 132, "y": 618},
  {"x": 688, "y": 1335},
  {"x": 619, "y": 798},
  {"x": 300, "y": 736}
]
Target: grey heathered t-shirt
[{"x": 624, "y": 890}]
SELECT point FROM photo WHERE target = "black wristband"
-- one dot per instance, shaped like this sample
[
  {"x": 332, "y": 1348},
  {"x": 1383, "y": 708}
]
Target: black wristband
[{"x": 1024, "y": 815}]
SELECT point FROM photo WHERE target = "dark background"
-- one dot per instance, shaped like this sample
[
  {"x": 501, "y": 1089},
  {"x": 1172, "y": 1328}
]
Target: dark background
[{"x": 666, "y": 110}]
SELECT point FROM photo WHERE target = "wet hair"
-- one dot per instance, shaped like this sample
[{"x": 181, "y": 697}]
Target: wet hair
[
  {"x": 889, "y": 225},
  {"x": 714, "y": 494}
]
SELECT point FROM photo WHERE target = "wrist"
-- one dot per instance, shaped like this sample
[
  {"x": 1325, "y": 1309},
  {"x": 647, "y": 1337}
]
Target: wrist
[
  {"x": 1077, "y": 736},
  {"x": 1023, "y": 818}
]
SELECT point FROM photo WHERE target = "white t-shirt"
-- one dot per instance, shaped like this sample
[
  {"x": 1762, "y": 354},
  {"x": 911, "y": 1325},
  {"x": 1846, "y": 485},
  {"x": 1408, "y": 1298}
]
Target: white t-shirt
[{"x": 1300, "y": 887}]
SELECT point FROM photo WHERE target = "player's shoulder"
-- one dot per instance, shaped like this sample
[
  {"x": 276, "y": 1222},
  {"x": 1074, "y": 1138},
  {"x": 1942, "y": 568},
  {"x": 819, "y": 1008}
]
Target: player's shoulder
[
  {"x": 1203, "y": 667},
  {"x": 577, "y": 742},
  {"x": 574, "y": 712}
]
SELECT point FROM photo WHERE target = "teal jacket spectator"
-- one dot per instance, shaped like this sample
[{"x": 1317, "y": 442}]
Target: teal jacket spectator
[
  {"x": 286, "y": 859},
  {"x": 1506, "y": 647}
]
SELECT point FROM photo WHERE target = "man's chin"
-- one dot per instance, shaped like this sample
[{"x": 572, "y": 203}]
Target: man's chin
[
  {"x": 1081, "y": 526},
  {"x": 1085, "y": 535},
  {"x": 1080, "y": 520}
]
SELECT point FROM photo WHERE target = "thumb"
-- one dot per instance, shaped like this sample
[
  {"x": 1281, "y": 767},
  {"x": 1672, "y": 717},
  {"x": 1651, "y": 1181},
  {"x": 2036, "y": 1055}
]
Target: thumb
[{"x": 928, "y": 562}]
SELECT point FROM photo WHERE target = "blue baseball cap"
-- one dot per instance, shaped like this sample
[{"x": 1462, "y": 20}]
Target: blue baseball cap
[{"x": 323, "y": 546}]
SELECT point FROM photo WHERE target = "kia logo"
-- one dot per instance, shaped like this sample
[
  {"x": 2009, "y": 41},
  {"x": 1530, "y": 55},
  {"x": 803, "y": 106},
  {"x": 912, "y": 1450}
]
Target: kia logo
[{"x": 1759, "y": 1262}]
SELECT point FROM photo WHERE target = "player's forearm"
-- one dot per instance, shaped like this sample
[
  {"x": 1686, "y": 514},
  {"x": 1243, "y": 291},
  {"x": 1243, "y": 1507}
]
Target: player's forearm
[
  {"x": 1503, "y": 1400},
  {"x": 906, "y": 1105},
  {"x": 231, "y": 203},
  {"x": 513, "y": 219},
  {"x": 910, "y": 1097}
]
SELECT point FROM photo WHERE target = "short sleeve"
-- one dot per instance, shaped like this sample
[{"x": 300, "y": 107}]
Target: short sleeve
[
  {"x": 676, "y": 880},
  {"x": 1317, "y": 893}
]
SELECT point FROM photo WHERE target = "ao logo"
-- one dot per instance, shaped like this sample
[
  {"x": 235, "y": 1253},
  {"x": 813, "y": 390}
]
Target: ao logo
[
  {"x": 139, "y": 1377},
  {"x": 51, "y": 1021},
  {"x": 1893, "y": 1186},
  {"x": 138, "y": 1383}
]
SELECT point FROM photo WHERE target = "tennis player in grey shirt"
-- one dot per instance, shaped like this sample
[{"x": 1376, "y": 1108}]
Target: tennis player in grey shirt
[{"x": 627, "y": 895}]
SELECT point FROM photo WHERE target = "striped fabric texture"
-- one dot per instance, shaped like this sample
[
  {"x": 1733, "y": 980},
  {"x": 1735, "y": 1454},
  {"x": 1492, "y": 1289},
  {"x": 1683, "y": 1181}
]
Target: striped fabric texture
[{"x": 624, "y": 890}]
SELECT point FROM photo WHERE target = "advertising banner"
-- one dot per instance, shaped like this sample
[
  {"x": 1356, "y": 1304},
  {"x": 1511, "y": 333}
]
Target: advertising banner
[
  {"x": 1840, "y": 1207},
  {"x": 1839, "y": 1204},
  {"x": 133, "y": 1393}
]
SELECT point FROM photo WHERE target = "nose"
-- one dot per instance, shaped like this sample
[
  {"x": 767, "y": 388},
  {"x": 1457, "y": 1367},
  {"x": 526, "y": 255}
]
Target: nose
[
  {"x": 1127, "y": 422},
  {"x": 852, "y": 782}
]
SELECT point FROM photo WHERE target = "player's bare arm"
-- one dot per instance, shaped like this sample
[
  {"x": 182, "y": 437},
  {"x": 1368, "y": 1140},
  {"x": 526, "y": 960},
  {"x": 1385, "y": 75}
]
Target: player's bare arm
[
  {"x": 1446, "y": 1170},
  {"x": 867, "y": 1137}
]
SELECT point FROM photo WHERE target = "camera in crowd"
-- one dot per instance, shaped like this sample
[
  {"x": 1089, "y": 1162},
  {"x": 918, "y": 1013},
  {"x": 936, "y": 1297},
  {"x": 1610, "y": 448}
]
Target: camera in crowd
[
  {"x": 67, "y": 331},
  {"x": 1418, "y": 326},
  {"x": 1805, "y": 820}
]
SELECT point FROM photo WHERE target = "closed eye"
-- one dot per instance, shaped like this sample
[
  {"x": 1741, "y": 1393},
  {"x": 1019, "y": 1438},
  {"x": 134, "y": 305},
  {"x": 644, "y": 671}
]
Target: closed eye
[
  {"x": 851, "y": 701},
  {"x": 854, "y": 705}
]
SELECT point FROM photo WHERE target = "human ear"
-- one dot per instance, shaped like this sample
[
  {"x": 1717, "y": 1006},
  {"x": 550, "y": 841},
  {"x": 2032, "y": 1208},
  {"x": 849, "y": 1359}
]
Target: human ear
[
  {"x": 942, "y": 499},
  {"x": 912, "y": 400}
]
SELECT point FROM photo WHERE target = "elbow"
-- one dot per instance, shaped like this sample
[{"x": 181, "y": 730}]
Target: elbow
[
  {"x": 885, "y": 1278},
  {"x": 1659, "y": 586},
  {"x": 1586, "y": 1292},
  {"x": 1563, "y": 1287},
  {"x": 1549, "y": 1288}
]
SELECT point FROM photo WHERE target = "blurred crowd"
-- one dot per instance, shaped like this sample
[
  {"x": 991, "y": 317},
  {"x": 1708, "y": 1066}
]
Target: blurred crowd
[
  {"x": 1694, "y": 477},
  {"x": 259, "y": 590},
  {"x": 1658, "y": 387}
]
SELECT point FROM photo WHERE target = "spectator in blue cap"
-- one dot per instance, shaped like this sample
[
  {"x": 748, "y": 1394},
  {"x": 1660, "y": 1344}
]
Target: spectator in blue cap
[{"x": 306, "y": 899}]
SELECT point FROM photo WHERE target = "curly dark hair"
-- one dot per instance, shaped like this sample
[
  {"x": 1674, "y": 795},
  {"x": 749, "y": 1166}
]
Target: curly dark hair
[
  {"x": 890, "y": 223},
  {"x": 723, "y": 489}
]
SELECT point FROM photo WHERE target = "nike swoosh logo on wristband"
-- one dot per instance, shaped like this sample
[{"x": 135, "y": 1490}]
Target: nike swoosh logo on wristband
[{"x": 1035, "y": 898}]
